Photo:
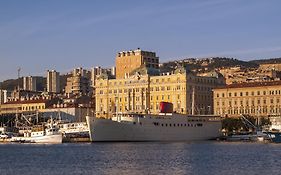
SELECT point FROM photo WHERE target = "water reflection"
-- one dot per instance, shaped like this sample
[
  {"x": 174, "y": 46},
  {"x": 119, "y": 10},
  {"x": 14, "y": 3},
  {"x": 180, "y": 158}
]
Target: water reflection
[{"x": 141, "y": 158}]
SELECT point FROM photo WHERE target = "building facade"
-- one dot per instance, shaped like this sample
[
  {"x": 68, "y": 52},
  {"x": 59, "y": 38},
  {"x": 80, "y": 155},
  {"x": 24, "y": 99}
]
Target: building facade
[
  {"x": 78, "y": 82},
  {"x": 30, "y": 83},
  {"x": 4, "y": 94},
  {"x": 127, "y": 61},
  {"x": 255, "y": 99},
  {"x": 143, "y": 94},
  {"x": 24, "y": 106},
  {"x": 53, "y": 81}
]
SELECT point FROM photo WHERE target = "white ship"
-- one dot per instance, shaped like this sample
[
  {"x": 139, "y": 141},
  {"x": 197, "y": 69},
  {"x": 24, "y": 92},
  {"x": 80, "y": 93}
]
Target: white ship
[{"x": 147, "y": 127}]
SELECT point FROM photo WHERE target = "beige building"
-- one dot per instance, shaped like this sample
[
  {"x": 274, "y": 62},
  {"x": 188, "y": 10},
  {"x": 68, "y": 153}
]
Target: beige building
[
  {"x": 255, "y": 99},
  {"x": 127, "y": 61},
  {"x": 53, "y": 81},
  {"x": 18, "y": 107},
  {"x": 143, "y": 93},
  {"x": 78, "y": 83},
  {"x": 29, "y": 83},
  {"x": 3, "y": 96}
]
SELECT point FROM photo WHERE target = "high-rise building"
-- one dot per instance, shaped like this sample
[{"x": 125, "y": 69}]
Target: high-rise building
[
  {"x": 53, "y": 81},
  {"x": 78, "y": 83},
  {"x": 98, "y": 71},
  {"x": 3, "y": 96},
  {"x": 127, "y": 61},
  {"x": 29, "y": 83}
]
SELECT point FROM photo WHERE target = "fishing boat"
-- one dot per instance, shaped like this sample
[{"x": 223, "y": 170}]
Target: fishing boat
[{"x": 48, "y": 134}]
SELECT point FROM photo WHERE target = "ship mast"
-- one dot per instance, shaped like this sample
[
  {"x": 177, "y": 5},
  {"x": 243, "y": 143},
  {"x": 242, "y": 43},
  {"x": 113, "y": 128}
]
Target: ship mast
[{"x": 193, "y": 101}]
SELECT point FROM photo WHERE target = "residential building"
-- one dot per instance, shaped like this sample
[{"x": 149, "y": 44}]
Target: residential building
[
  {"x": 30, "y": 83},
  {"x": 53, "y": 81},
  {"x": 4, "y": 95},
  {"x": 78, "y": 83}
]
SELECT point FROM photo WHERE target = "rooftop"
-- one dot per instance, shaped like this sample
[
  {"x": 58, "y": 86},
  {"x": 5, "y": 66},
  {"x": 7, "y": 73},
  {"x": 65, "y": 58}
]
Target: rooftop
[{"x": 251, "y": 84}]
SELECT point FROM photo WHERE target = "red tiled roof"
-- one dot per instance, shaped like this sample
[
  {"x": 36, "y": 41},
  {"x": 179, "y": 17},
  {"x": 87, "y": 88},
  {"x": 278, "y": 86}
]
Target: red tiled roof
[{"x": 251, "y": 84}]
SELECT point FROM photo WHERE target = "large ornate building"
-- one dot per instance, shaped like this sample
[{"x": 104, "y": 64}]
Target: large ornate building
[
  {"x": 255, "y": 99},
  {"x": 143, "y": 89}
]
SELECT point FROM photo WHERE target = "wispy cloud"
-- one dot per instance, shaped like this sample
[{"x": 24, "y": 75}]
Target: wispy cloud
[{"x": 63, "y": 22}]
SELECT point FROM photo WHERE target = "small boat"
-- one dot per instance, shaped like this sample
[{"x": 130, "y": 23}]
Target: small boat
[
  {"x": 274, "y": 130},
  {"x": 274, "y": 136},
  {"x": 249, "y": 137}
]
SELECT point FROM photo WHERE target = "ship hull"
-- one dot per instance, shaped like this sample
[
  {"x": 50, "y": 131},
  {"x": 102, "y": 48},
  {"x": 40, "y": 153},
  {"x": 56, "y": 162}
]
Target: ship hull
[
  {"x": 53, "y": 139},
  {"x": 152, "y": 130}
]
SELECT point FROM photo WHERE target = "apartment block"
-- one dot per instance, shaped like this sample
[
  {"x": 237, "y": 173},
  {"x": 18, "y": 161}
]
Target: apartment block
[
  {"x": 53, "y": 81},
  {"x": 30, "y": 83}
]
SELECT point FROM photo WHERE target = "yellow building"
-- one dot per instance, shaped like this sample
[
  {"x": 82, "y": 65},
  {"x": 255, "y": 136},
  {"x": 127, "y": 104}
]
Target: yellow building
[
  {"x": 255, "y": 99},
  {"x": 10, "y": 108},
  {"x": 25, "y": 106},
  {"x": 127, "y": 61},
  {"x": 143, "y": 93}
]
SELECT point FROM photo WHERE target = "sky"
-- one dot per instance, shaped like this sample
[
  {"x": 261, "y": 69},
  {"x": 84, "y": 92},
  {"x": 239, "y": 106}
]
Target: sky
[{"x": 37, "y": 35}]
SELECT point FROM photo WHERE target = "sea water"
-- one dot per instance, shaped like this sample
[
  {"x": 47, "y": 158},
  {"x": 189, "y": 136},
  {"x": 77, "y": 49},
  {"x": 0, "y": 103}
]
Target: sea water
[{"x": 140, "y": 158}]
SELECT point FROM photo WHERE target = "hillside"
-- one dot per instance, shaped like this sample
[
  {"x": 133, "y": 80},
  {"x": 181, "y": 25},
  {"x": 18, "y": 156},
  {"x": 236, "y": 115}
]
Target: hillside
[
  {"x": 267, "y": 61},
  {"x": 207, "y": 64},
  {"x": 11, "y": 84}
]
